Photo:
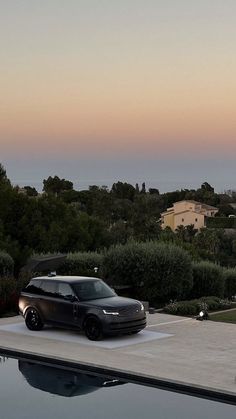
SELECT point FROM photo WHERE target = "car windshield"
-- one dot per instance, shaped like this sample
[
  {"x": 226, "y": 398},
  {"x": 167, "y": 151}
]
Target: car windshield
[{"x": 93, "y": 290}]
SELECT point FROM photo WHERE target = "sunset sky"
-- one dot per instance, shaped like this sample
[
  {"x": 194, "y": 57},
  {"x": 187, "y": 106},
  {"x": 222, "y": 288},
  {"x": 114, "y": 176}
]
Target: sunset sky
[{"x": 112, "y": 90}]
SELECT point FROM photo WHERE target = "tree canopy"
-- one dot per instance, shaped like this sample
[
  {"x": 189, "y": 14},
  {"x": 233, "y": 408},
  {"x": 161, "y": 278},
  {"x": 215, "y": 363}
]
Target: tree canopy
[
  {"x": 63, "y": 219},
  {"x": 55, "y": 185}
]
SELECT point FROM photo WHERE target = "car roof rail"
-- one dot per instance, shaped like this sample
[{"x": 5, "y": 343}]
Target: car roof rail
[{"x": 51, "y": 274}]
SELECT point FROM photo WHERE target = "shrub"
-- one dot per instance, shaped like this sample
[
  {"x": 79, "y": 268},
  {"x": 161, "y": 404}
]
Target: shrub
[
  {"x": 192, "y": 307},
  {"x": 230, "y": 282},
  {"x": 124, "y": 264},
  {"x": 6, "y": 264},
  {"x": 221, "y": 222},
  {"x": 184, "y": 308},
  {"x": 8, "y": 294},
  {"x": 81, "y": 263},
  {"x": 10, "y": 289},
  {"x": 216, "y": 303},
  {"x": 207, "y": 280},
  {"x": 163, "y": 270}
]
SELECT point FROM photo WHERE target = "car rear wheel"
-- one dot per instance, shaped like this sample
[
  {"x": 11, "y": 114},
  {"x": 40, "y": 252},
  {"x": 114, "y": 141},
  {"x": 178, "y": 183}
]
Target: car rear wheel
[
  {"x": 93, "y": 329},
  {"x": 33, "y": 320}
]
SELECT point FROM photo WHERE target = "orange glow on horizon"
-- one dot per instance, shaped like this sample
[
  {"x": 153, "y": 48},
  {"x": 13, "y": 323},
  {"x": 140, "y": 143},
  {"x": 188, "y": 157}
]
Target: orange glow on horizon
[{"x": 119, "y": 77}]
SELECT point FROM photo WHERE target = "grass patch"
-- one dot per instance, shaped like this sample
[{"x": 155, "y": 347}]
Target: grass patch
[{"x": 227, "y": 317}]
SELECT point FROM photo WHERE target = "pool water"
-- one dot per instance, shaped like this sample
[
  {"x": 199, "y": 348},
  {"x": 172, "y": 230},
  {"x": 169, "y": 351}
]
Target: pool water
[{"x": 30, "y": 390}]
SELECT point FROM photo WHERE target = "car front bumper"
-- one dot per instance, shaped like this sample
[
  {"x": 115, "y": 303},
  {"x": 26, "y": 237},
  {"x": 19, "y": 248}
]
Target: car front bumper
[{"x": 114, "y": 325}]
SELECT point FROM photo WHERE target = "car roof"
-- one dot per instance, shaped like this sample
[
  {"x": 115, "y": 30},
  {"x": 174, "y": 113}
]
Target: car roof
[{"x": 69, "y": 279}]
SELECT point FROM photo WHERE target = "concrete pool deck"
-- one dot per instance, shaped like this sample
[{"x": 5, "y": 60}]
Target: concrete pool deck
[{"x": 192, "y": 352}]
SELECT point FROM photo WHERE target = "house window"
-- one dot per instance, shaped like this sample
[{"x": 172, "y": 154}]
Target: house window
[
  {"x": 182, "y": 220},
  {"x": 195, "y": 220}
]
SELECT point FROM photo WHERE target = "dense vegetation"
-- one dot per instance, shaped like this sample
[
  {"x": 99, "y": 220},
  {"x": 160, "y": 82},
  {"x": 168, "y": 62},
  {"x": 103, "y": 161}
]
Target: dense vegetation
[
  {"x": 192, "y": 307},
  {"x": 118, "y": 231},
  {"x": 65, "y": 220},
  {"x": 151, "y": 268}
]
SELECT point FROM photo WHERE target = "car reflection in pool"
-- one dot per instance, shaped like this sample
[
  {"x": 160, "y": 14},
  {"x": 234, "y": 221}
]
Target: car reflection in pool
[{"x": 63, "y": 382}]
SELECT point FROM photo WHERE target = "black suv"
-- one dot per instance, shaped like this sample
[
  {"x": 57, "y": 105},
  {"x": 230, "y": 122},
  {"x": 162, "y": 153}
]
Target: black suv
[{"x": 80, "y": 302}]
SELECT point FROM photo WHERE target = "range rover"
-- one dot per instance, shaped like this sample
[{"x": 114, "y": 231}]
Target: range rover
[{"x": 83, "y": 303}]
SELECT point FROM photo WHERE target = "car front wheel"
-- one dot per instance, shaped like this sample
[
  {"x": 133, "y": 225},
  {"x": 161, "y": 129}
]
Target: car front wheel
[
  {"x": 33, "y": 320},
  {"x": 93, "y": 329}
]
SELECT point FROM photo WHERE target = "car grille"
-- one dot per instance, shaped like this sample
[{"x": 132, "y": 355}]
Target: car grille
[{"x": 130, "y": 311}]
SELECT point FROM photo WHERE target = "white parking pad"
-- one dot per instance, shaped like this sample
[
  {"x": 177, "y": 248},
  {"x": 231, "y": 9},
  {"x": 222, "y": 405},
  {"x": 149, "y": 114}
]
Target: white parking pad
[{"x": 76, "y": 337}]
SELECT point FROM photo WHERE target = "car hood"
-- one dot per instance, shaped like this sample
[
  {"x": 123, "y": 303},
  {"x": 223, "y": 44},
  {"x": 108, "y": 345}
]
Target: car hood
[{"x": 113, "y": 302}]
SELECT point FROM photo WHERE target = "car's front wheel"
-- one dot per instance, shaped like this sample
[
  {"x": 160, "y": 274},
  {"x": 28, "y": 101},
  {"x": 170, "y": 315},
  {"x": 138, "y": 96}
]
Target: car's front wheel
[
  {"x": 33, "y": 320},
  {"x": 93, "y": 329}
]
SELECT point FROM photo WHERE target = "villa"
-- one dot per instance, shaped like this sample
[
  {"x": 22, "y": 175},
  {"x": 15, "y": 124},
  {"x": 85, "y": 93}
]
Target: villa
[{"x": 187, "y": 212}]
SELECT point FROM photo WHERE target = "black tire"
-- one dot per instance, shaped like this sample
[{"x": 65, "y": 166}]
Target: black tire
[
  {"x": 135, "y": 332},
  {"x": 93, "y": 328},
  {"x": 33, "y": 320}
]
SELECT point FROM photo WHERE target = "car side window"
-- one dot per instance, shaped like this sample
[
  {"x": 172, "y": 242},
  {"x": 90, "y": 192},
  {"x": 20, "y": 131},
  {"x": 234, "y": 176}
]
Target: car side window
[
  {"x": 65, "y": 291},
  {"x": 49, "y": 288},
  {"x": 33, "y": 287}
]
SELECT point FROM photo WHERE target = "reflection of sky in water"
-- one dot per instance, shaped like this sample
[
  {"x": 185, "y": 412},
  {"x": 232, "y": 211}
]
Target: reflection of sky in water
[{"x": 20, "y": 400}]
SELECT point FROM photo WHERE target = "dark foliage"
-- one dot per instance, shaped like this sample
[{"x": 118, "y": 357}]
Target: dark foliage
[
  {"x": 6, "y": 264},
  {"x": 208, "y": 280},
  {"x": 163, "y": 271},
  {"x": 193, "y": 307},
  {"x": 82, "y": 263},
  {"x": 65, "y": 220}
]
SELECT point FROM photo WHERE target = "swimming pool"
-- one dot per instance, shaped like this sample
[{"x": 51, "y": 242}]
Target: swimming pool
[{"x": 34, "y": 390}]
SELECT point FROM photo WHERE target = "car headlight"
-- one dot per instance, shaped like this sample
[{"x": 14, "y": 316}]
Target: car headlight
[
  {"x": 112, "y": 313},
  {"x": 142, "y": 306}
]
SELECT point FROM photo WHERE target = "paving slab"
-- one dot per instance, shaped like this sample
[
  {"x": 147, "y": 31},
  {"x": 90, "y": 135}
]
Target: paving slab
[
  {"x": 61, "y": 335},
  {"x": 195, "y": 353}
]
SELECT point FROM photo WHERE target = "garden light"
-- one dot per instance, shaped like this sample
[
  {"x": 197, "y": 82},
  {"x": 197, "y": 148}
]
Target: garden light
[{"x": 203, "y": 315}]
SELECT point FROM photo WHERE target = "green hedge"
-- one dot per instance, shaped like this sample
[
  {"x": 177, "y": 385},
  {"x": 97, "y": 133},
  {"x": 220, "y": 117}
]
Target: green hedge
[
  {"x": 10, "y": 289},
  {"x": 221, "y": 222},
  {"x": 207, "y": 280},
  {"x": 8, "y": 295},
  {"x": 192, "y": 307},
  {"x": 230, "y": 282},
  {"x": 123, "y": 264},
  {"x": 6, "y": 264},
  {"x": 163, "y": 271},
  {"x": 81, "y": 263}
]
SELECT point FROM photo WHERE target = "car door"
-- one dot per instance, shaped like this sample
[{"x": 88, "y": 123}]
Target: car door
[
  {"x": 46, "y": 300},
  {"x": 67, "y": 305}
]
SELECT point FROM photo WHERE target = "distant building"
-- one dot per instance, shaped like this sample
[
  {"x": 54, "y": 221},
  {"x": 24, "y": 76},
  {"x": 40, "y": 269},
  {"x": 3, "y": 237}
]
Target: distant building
[{"x": 186, "y": 213}]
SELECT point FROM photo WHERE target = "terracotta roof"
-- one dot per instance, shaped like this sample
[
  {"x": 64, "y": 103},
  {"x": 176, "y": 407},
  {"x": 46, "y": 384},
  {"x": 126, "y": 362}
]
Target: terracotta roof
[
  {"x": 187, "y": 200},
  {"x": 191, "y": 201},
  {"x": 167, "y": 212},
  {"x": 194, "y": 212},
  {"x": 210, "y": 207}
]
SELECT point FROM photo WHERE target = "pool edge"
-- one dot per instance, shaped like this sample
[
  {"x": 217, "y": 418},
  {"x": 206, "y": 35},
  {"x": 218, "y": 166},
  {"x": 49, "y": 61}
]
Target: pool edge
[{"x": 190, "y": 389}]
